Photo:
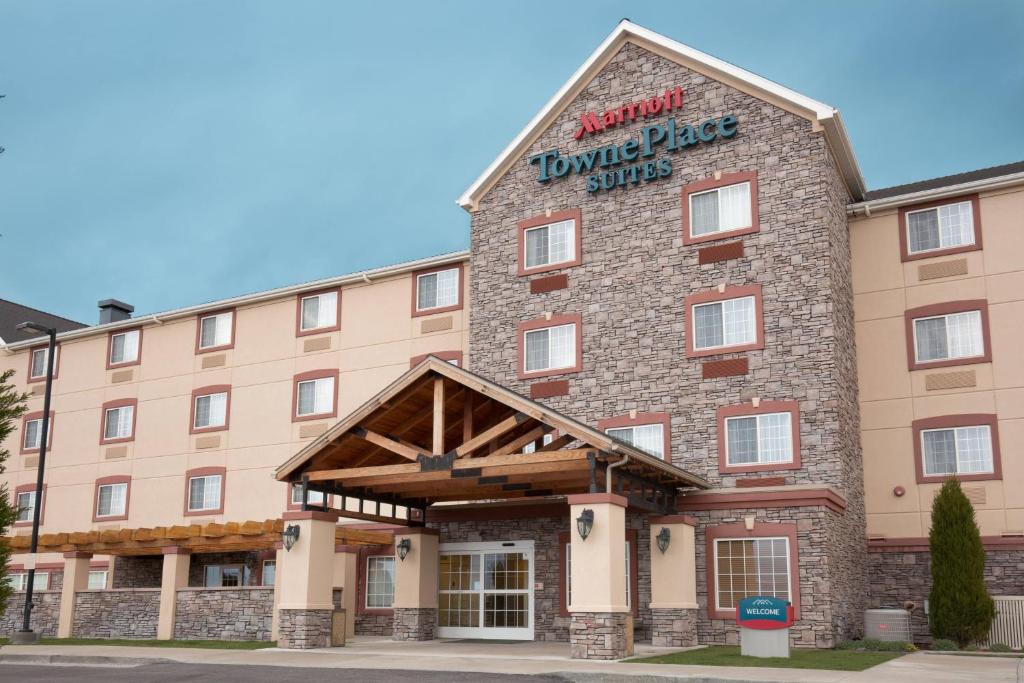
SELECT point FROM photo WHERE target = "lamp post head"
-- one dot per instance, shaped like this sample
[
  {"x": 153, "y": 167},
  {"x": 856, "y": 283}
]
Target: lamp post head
[
  {"x": 35, "y": 327},
  {"x": 403, "y": 548},
  {"x": 289, "y": 536},
  {"x": 585, "y": 523},
  {"x": 663, "y": 538}
]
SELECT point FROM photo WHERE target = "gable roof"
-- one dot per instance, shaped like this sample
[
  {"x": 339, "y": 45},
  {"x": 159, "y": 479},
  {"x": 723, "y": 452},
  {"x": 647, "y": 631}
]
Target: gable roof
[
  {"x": 981, "y": 174},
  {"x": 12, "y": 315},
  {"x": 820, "y": 114}
]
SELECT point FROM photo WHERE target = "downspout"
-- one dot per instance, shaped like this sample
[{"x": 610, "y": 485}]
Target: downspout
[{"x": 608, "y": 472}]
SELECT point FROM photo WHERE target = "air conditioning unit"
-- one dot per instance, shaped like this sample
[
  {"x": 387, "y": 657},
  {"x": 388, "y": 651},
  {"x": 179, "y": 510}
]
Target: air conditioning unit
[{"x": 887, "y": 624}]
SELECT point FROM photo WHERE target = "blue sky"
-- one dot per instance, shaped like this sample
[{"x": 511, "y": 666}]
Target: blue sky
[{"x": 171, "y": 153}]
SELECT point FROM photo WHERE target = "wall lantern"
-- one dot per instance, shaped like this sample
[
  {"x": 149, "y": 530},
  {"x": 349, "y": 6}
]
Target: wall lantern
[
  {"x": 290, "y": 535},
  {"x": 403, "y": 548},
  {"x": 584, "y": 523},
  {"x": 664, "y": 536}
]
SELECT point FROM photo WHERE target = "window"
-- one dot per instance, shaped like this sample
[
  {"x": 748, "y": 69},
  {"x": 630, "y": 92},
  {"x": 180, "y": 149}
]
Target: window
[
  {"x": 112, "y": 500},
  {"x": 750, "y": 566},
  {"x": 204, "y": 492},
  {"x": 315, "y": 497},
  {"x": 216, "y": 331},
  {"x": 550, "y": 348},
  {"x": 723, "y": 209},
  {"x": 269, "y": 572},
  {"x": 951, "y": 336},
  {"x": 37, "y": 363},
  {"x": 315, "y": 397},
  {"x": 19, "y": 582},
  {"x": 318, "y": 311},
  {"x": 629, "y": 574},
  {"x": 26, "y": 502},
  {"x": 225, "y": 575},
  {"x": 124, "y": 347},
  {"x": 118, "y": 423},
  {"x": 724, "y": 323},
  {"x": 759, "y": 439},
  {"x": 940, "y": 227},
  {"x": 97, "y": 579},
  {"x": 380, "y": 581},
  {"x": 650, "y": 438},
  {"x": 960, "y": 450},
  {"x": 211, "y": 411},
  {"x": 550, "y": 244},
  {"x": 532, "y": 446},
  {"x": 439, "y": 289},
  {"x": 33, "y": 429}
]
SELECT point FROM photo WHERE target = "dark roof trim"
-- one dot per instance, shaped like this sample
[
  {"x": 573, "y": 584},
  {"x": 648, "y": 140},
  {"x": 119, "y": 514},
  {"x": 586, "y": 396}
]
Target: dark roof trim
[{"x": 945, "y": 181}]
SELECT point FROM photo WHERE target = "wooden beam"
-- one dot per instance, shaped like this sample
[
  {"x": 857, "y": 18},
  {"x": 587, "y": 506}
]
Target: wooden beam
[
  {"x": 347, "y": 536},
  {"x": 386, "y": 443},
  {"x": 516, "y": 445},
  {"x": 467, "y": 417},
  {"x": 557, "y": 444},
  {"x": 439, "y": 416},
  {"x": 489, "y": 435}
]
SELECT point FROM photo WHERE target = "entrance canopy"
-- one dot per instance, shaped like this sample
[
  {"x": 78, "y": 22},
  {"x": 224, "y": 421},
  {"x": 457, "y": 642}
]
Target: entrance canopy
[{"x": 440, "y": 433}]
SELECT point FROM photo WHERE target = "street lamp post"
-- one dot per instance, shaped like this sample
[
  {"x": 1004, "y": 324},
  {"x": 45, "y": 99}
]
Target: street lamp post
[{"x": 25, "y": 635}]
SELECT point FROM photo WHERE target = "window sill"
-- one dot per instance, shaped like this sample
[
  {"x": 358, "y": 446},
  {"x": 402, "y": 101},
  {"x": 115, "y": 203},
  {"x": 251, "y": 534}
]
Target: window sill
[
  {"x": 213, "y": 349},
  {"x": 419, "y": 313},
  {"x": 317, "y": 330},
  {"x": 942, "y": 478},
  {"x": 723, "y": 235},
  {"x": 108, "y": 442},
  {"x": 208, "y": 430},
  {"x": 951, "y": 363},
  {"x": 204, "y": 513},
  {"x": 316, "y": 416},
  {"x": 935, "y": 253},
  {"x": 561, "y": 265},
  {"x": 766, "y": 467},
  {"x": 549, "y": 373},
  {"x": 125, "y": 364},
  {"x": 723, "y": 350}
]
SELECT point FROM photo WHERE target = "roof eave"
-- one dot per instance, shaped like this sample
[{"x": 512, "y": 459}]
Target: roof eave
[{"x": 985, "y": 184}]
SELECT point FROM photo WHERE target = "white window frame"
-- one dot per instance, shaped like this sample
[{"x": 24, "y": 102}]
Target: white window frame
[
  {"x": 718, "y": 578},
  {"x": 938, "y": 222},
  {"x": 320, "y": 322},
  {"x": 195, "y": 411},
  {"x": 573, "y": 355},
  {"x": 130, "y": 422},
  {"x": 721, "y": 302},
  {"x": 572, "y": 246},
  {"x": 366, "y": 598},
  {"x": 629, "y": 575},
  {"x": 632, "y": 429},
  {"x": 39, "y": 440},
  {"x": 125, "y": 361},
  {"x": 27, "y": 510},
  {"x": 19, "y": 581},
  {"x": 298, "y": 394},
  {"x": 99, "y": 497},
  {"x": 719, "y": 230},
  {"x": 760, "y": 458},
  {"x": 263, "y": 573},
  {"x": 43, "y": 350},
  {"x": 956, "y": 442},
  {"x": 227, "y": 315},
  {"x": 949, "y": 344},
  {"x": 97, "y": 572},
  {"x": 437, "y": 304},
  {"x": 219, "y": 488},
  {"x": 243, "y": 574},
  {"x": 296, "y": 495}
]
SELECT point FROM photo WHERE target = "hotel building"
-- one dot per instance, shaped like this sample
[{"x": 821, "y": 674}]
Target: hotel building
[{"x": 682, "y": 316}]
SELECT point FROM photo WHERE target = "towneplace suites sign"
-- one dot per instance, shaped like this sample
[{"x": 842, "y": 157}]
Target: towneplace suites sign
[{"x": 641, "y": 159}]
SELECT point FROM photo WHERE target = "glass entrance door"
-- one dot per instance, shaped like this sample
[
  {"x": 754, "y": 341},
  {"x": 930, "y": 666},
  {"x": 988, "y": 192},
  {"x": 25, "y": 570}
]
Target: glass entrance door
[{"x": 486, "y": 590}]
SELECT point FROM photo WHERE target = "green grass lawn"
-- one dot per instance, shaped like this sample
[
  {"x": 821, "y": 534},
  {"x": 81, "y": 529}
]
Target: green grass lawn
[
  {"x": 209, "y": 644},
  {"x": 729, "y": 655}
]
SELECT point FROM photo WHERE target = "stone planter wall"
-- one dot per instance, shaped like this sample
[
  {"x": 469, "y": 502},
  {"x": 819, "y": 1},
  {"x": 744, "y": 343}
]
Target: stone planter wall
[
  {"x": 125, "y": 613},
  {"x": 224, "y": 613},
  {"x": 44, "y": 613}
]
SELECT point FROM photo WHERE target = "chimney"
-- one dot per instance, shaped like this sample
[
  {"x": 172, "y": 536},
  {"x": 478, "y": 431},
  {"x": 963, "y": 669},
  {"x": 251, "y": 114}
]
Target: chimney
[{"x": 112, "y": 311}]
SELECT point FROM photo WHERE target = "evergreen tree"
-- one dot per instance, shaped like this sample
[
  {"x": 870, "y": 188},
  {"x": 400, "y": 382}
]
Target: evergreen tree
[
  {"x": 12, "y": 407},
  {"x": 959, "y": 607}
]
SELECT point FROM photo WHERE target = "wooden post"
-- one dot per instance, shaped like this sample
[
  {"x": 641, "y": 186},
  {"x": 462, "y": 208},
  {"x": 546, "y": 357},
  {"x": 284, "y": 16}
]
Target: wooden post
[{"x": 438, "y": 416}]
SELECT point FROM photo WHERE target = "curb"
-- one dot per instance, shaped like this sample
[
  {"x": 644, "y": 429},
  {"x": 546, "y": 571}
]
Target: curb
[
  {"x": 82, "y": 660},
  {"x": 585, "y": 677}
]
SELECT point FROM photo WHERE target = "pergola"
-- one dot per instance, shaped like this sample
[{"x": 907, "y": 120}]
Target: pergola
[{"x": 440, "y": 433}]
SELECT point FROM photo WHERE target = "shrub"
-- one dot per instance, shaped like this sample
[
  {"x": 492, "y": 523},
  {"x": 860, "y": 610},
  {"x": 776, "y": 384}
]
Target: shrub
[
  {"x": 944, "y": 644},
  {"x": 960, "y": 608},
  {"x": 1000, "y": 647}
]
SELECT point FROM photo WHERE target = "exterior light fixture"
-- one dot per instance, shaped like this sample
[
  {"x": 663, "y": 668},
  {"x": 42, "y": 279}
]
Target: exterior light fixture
[
  {"x": 584, "y": 523},
  {"x": 664, "y": 536},
  {"x": 403, "y": 548},
  {"x": 289, "y": 536}
]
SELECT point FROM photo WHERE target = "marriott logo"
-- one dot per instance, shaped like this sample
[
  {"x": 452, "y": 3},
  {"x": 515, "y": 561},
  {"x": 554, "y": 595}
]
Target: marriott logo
[{"x": 594, "y": 123}]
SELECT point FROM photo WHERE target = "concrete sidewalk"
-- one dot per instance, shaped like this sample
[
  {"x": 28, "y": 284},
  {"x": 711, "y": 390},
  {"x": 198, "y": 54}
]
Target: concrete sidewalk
[{"x": 524, "y": 658}]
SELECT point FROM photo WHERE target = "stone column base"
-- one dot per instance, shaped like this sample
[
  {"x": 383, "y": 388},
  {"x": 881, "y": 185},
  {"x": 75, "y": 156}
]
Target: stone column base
[
  {"x": 673, "y": 627},
  {"x": 601, "y": 635},
  {"x": 415, "y": 623},
  {"x": 302, "y": 629}
]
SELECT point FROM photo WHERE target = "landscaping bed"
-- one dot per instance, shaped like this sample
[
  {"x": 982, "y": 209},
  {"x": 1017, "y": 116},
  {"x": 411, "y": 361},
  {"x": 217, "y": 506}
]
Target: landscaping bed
[{"x": 847, "y": 659}]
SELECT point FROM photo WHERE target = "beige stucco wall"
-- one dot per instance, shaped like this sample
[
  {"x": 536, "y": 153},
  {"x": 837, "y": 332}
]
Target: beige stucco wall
[
  {"x": 891, "y": 396},
  {"x": 378, "y": 337}
]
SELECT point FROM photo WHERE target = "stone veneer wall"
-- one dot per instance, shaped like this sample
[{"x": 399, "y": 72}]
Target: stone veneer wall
[
  {"x": 374, "y": 624},
  {"x": 674, "y": 627},
  {"x": 415, "y": 623},
  {"x": 301, "y": 629},
  {"x": 137, "y": 572},
  {"x": 125, "y": 613},
  {"x": 600, "y": 635},
  {"x": 899, "y": 577},
  {"x": 45, "y": 611},
  {"x": 224, "y": 614}
]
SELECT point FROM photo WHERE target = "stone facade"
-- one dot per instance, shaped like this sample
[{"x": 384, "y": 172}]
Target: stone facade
[
  {"x": 674, "y": 627},
  {"x": 601, "y": 635},
  {"x": 137, "y": 572},
  {"x": 302, "y": 629},
  {"x": 630, "y": 291},
  {"x": 45, "y": 610},
  {"x": 126, "y": 613},
  {"x": 375, "y": 624},
  {"x": 415, "y": 623},
  {"x": 224, "y": 614},
  {"x": 901, "y": 577}
]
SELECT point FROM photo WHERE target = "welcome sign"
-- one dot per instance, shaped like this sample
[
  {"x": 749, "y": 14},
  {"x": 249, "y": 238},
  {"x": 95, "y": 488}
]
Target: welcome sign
[{"x": 764, "y": 612}]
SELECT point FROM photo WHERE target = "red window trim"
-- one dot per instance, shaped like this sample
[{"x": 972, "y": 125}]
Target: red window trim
[
  {"x": 289, "y": 505},
  {"x": 25, "y": 419},
  {"x": 299, "y": 332},
  {"x": 305, "y": 376},
  {"x": 363, "y": 556},
  {"x": 443, "y": 355},
  {"x": 199, "y": 330},
  {"x": 543, "y": 219},
  {"x": 207, "y": 391},
  {"x": 736, "y": 292},
  {"x": 119, "y": 403},
  {"x": 203, "y": 472},
  {"x": 110, "y": 346},
  {"x": 29, "y": 488},
  {"x": 116, "y": 479},
  {"x": 711, "y": 184},
  {"x": 539, "y": 324},
  {"x": 950, "y": 422},
  {"x": 945, "y": 309},
  {"x": 764, "y": 407},
  {"x": 443, "y": 309},
  {"x": 739, "y": 530},
  {"x": 905, "y": 254},
  {"x": 29, "y": 379},
  {"x": 634, "y": 583},
  {"x": 641, "y": 419}
]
